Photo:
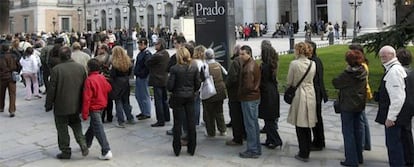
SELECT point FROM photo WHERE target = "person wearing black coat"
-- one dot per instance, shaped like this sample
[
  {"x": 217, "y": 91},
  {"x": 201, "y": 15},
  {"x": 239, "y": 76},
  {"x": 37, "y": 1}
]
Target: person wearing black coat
[
  {"x": 269, "y": 107},
  {"x": 318, "y": 142},
  {"x": 158, "y": 77},
  {"x": 119, "y": 79},
  {"x": 352, "y": 96},
  {"x": 183, "y": 83}
]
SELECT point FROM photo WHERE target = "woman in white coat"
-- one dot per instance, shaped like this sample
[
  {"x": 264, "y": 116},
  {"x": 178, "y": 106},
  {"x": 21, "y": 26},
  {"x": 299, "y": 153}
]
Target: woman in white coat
[
  {"x": 302, "y": 112},
  {"x": 30, "y": 67}
]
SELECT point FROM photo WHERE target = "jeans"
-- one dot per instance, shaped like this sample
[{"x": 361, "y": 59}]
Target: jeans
[
  {"x": 96, "y": 129},
  {"x": 407, "y": 141},
  {"x": 197, "y": 104},
  {"x": 351, "y": 131},
  {"x": 143, "y": 96},
  {"x": 366, "y": 136},
  {"x": 250, "y": 111},
  {"x": 237, "y": 124},
  {"x": 394, "y": 145},
  {"x": 122, "y": 106},
  {"x": 161, "y": 104},
  {"x": 184, "y": 106}
]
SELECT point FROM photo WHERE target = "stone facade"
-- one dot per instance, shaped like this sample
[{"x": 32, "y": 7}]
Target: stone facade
[
  {"x": 37, "y": 15},
  {"x": 46, "y": 15}
]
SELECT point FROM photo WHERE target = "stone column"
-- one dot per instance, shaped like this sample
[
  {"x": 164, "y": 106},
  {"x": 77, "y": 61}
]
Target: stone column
[
  {"x": 367, "y": 15},
  {"x": 304, "y": 14},
  {"x": 248, "y": 11},
  {"x": 272, "y": 14},
  {"x": 335, "y": 11},
  {"x": 389, "y": 12}
]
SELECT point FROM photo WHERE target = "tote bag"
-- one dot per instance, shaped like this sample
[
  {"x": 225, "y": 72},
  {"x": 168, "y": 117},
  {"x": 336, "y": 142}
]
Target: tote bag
[{"x": 208, "y": 89}]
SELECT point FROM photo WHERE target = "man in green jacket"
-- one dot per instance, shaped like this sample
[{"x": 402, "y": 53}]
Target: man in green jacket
[{"x": 65, "y": 97}]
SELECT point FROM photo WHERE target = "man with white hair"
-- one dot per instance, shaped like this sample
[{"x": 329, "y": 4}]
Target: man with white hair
[{"x": 391, "y": 98}]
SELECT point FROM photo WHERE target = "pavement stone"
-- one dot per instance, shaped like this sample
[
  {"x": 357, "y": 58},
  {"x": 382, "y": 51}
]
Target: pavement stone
[{"x": 30, "y": 140}]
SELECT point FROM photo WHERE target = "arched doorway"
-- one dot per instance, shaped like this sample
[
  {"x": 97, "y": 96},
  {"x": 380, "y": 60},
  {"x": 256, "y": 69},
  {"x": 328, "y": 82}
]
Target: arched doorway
[
  {"x": 150, "y": 16},
  {"x": 117, "y": 18},
  {"x": 103, "y": 20},
  {"x": 168, "y": 14}
]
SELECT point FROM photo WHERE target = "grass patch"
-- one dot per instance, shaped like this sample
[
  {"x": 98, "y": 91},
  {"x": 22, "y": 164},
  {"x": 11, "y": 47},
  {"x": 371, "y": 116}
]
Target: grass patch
[{"x": 333, "y": 59}]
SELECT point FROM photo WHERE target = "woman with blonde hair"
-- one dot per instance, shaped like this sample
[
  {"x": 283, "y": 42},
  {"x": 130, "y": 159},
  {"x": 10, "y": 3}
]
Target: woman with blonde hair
[
  {"x": 302, "y": 111},
  {"x": 119, "y": 78},
  {"x": 183, "y": 83},
  {"x": 199, "y": 61}
]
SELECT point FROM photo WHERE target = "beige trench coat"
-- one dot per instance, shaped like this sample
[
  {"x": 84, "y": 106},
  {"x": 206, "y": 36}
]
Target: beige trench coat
[{"x": 302, "y": 111}]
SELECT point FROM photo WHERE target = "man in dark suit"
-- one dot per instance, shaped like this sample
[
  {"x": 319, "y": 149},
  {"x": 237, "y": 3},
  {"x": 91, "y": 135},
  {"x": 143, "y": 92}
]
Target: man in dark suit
[{"x": 64, "y": 96}]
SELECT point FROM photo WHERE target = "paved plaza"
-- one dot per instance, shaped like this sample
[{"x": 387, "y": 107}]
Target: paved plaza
[{"x": 30, "y": 140}]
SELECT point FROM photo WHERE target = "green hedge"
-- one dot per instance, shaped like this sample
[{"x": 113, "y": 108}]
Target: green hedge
[{"x": 334, "y": 63}]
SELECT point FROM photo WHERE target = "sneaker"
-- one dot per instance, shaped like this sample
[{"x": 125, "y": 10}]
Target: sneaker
[
  {"x": 223, "y": 133},
  {"x": 38, "y": 96},
  {"x": 1, "y": 110},
  {"x": 120, "y": 125},
  {"x": 131, "y": 122},
  {"x": 27, "y": 99},
  {"x": 12, "y": 115},
  {"x": 107, "y": 156}
]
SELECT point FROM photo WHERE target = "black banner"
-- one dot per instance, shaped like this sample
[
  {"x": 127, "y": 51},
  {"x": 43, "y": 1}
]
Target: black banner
[{"x": 214, "y": 27}]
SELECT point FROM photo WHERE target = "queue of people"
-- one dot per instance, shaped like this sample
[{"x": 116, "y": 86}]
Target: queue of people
[{"x": 76, "y": 81}]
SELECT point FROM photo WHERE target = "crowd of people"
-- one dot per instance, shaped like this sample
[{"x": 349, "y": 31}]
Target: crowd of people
[{"x": 85, "y": 79}]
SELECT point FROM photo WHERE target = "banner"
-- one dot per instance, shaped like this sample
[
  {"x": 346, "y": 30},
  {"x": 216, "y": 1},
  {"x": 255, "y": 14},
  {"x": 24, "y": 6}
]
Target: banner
[{"x": 215, "y": 27}]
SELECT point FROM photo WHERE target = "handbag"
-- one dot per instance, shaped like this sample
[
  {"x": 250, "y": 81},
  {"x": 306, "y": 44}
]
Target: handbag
[
  {"x": 290, "y": 91},
  {"x": 336, "y": 106},
  {"x": 16, "y": 76},
  {"x": 208, "y": 89}
]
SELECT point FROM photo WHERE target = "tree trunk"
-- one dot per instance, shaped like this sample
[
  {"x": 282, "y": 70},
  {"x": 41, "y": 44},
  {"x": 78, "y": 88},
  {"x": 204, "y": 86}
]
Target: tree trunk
[{"x": 4, "y": 19}]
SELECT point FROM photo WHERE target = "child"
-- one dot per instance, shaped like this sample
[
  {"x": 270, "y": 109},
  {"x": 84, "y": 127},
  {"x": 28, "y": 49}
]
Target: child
[{"x": 95, "y": 99}]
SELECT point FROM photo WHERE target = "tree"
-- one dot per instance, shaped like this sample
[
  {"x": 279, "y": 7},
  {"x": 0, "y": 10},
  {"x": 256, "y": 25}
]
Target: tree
[
  {"x": 397, "y": 36},
  {"x": 4, "y": 13}
]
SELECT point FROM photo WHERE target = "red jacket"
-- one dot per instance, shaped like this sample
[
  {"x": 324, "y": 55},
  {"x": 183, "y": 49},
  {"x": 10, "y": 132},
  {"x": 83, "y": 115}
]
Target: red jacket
[{"x": 95, "y": 93}]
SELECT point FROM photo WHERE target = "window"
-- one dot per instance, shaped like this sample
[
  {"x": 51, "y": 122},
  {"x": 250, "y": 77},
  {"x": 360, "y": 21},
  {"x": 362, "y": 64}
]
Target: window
[
  {"x": 96, "y": 12},
  {"x": 65, "y": 24},
  {"x": 110, "y": 11},
  {"x": 89, "y": 12},
  {"x": 25, "y": 23},
  {"x": 65, "y": 1},
  {"x": 25, "y": 3}
]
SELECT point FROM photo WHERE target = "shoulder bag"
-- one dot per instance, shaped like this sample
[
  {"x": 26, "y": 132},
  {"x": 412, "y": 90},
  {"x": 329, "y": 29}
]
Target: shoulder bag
[{"x": 290, "y": 91}]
